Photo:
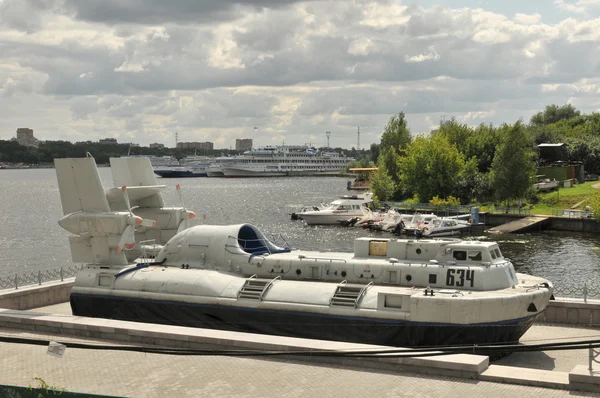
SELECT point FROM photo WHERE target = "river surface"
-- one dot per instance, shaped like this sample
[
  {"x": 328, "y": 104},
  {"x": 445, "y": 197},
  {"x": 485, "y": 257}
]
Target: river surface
[{"x": 32, "y": 240}]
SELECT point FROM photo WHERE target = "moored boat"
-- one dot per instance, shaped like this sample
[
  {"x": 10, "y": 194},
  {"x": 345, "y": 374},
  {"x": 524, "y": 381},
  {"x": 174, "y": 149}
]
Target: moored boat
[
  {"x": 336, "y": 212},
  {"x": 285, "y": 160}
]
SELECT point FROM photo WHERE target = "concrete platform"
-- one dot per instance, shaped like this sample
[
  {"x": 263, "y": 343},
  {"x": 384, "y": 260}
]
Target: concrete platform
[
  {"x": 138, "y": 374},
  {"x": 525, "y": 224},
  {"x": 151, "y": 375}
]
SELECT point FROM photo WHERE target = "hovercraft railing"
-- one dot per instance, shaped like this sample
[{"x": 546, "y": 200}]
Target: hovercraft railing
[
  {"x": 346, "y": 295},
  {"x": 37, "y": 278},
  {"x": 255, "y": 288}
]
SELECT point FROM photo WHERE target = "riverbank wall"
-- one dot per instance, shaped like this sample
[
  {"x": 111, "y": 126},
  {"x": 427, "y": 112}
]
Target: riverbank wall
[
  {"x": 570, "y": 224},
  {"x": 35, "y": 296}
]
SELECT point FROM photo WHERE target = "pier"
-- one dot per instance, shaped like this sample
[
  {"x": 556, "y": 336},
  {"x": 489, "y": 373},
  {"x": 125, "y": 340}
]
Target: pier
[{"x": 526, "y": 224}]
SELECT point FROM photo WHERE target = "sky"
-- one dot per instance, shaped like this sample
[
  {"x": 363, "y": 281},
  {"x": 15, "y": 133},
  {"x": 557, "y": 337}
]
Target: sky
[{"x": 143, "y": 71}]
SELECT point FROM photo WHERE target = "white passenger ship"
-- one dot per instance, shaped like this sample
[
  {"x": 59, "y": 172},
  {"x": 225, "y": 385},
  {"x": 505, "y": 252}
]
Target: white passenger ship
[{"x": 283, "y": 160}]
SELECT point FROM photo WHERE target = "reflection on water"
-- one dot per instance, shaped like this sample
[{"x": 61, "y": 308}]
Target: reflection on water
[{"x": 32, "y": 240}]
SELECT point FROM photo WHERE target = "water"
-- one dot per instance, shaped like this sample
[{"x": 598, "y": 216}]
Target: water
[{"x": 32, "y": 240}]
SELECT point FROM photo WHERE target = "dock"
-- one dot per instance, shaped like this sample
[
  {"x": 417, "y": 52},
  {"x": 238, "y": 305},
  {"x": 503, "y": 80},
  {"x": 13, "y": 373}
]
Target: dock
[{"x": 526, "y": 224}]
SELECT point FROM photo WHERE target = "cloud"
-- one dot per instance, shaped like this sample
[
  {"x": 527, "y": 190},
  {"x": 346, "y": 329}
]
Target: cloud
[
  {"x": 432, "y": 55},
  {"x": 211, "y": 70},
  {"x": 577, "y": 6}
]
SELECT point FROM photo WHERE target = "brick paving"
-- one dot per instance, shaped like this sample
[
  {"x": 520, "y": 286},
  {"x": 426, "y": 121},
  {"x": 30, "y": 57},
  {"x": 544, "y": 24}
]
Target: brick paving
[{"x": 132, "y": 374}]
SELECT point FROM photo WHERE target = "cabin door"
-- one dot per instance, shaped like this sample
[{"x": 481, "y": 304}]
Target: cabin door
[
  {"x": 314, "y": 272},
  {"x": 391, "y": 276}
]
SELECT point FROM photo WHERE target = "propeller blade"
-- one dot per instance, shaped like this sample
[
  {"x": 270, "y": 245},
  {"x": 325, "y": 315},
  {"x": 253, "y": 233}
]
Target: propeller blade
[
  {"x": 178, "y": 188},
  {"x": 127, "y": 240},
  {"x": 126, "y": 196},
  {"x": 148, "y": 223}
]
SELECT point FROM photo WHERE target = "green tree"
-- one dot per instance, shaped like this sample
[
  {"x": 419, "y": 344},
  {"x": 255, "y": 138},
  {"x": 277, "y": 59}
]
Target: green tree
[
  {"x": 513, "y": 167},
  {"x": 553, "y": 114},
  {"x": 456, "y": 134},
  {"x": 394, "y": 140},
  {"x": 431, "y": 167},
  {"x": 375, "y": 153},
  {"x": 382, "y": 184}
]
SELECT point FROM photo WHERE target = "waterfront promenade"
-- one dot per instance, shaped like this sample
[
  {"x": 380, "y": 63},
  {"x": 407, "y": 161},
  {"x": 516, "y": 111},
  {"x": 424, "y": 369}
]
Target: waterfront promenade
[{"x": 135, "y": 374}]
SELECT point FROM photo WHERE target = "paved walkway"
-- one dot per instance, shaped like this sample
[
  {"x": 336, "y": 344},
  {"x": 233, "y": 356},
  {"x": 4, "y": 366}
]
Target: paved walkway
[{"x": 133, "y": 374}]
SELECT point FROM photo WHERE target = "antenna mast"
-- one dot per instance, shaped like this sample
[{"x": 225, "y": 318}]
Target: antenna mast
[
  {"x": 328, "y": 133},
  {"x": 176, "y": 138},
  {"x": 358, "y": 141}
]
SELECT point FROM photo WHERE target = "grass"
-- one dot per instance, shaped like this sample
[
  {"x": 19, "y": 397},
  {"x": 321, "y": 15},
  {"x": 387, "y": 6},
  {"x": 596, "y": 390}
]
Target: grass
[{"x": 565, "y": 198}]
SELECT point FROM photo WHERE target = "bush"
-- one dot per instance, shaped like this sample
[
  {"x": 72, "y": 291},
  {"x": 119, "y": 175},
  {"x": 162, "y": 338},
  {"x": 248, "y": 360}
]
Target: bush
[{"x": 450, "y": 201}]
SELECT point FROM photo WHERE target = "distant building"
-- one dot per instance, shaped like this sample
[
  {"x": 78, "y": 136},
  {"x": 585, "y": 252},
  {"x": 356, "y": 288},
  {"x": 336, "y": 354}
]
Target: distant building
[
  {"x": 243, "y": 144},
  {"x": 108, "y": 141},
  {"x": 25, "y": 137},
  {"x": 156, "y": 145},
  {"x": 207, "y": 146}
]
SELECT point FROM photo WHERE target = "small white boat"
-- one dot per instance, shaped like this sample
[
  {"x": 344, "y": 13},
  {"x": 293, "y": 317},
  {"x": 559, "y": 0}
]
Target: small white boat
[
  {"x": 391, "y": 219},
  {"x": 443, "y": 227},
  {"x": 340, "y": 210},
  {"x": 417, "y": 222}
]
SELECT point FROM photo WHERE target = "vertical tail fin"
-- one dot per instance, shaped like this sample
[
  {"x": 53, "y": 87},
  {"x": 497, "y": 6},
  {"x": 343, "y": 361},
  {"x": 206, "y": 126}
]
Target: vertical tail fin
[
  {"x": 80, "y": 185},
  {"x": 136, "y": 173}
]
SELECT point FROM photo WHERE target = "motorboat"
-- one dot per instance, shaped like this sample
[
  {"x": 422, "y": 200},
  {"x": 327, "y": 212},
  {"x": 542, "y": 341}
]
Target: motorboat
[
  {"x": 399, "y": 292},
  {"x": 417, "y": 222},
  {"x": 443, "y": 227},
  {"x": 546, "y": 184},
  {"x": 391, "y": 221},
  {"x": 336, "y": 212}
]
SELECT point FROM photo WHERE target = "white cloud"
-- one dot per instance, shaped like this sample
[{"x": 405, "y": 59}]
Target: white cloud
[
  {"x": 432, "y": 55},
  {"x": 211, "y": 69},
  {"x": 527, "y": 19},
  {"x": 577, "y": 6}
]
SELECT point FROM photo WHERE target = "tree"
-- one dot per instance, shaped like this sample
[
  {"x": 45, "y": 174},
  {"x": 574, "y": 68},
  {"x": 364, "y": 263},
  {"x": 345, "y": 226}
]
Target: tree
[
  {"x": 396, "y": 134},
  {"x": 456, "y": 134},
  {"x": 375, "y": 153},
  {"x": 513, "y": 167},
  {"x": 431, "y": 167},
  {"x": 553, "y": 114},
  {"x": 382, "y": 184},
  {"x": 394, "y": 140}
]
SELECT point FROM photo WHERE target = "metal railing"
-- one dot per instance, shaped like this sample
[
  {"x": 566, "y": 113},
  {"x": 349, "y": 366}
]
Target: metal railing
[
  {"x": 576, "y": 291},
  {"x": 572, "y": 213},
  {"x": 37, "y": 278},
  {"x": 509, "y": 210}
]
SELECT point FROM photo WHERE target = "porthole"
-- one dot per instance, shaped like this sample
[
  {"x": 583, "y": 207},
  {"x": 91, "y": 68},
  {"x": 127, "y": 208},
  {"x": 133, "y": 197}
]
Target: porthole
[
  {"x": 344, "y": 274},
  {"x": 418, "y": 251},
  {"x": 298, "y": 272},
  {"x": 408, "y": 278}
]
